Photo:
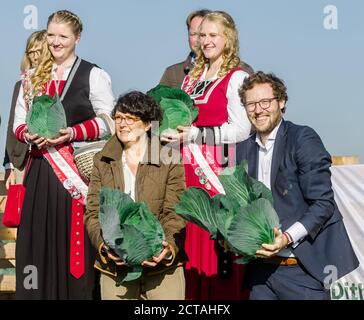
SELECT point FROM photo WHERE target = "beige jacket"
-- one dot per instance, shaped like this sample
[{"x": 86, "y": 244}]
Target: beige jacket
[{"x": 157, "y": 184}]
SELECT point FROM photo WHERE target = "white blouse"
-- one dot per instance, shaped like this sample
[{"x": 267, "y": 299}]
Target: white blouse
[
  {"x": 238, "y": 126},
  {"x": 129, "y": 179}
]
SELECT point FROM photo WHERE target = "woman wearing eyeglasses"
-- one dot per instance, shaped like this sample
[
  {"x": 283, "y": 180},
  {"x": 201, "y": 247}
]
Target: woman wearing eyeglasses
[
  {"x": 51, "y": 236},
  {"x": 134, "y": 164},
  {"x": 15, "y": 151}
]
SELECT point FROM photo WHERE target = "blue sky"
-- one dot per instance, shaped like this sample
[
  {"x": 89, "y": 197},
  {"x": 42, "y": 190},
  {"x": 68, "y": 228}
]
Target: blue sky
[{"x": 135, "y": 40}]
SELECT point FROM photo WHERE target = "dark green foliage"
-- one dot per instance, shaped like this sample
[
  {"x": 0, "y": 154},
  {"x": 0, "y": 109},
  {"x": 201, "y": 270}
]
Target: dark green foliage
[
  {"x": 130, "y": 229},
  {"x": 112, "y": 201},
  {"x": 46, "y": 117},
  {"x": 236, "y": 185},
  {"x": 177, "y": 107},
  {"x": 244, "y": 216},
  {"x": 197, "y": 206},
  {"x": 250, "y": 227}
]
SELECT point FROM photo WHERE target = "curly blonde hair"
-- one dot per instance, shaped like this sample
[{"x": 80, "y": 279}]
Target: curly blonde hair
[
  {"x": 35, "y": 40},
  {"x": 42, "y": 71},
  {"x": 231, "y": 51}
]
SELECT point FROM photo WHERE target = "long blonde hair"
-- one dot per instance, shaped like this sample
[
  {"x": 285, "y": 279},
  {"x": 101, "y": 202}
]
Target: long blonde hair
[
  {"x": 231, "y": 51},
  {"x": 43, "y": 71},
  {"x": 38, "y": 76},
  {"x": 34, "y": 40}
]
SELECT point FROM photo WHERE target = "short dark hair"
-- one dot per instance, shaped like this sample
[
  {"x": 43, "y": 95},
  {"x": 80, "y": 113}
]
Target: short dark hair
[
  {"x": 259, "y": 77},
  {"x": 198, "y": 13},
  {"x": 138, "y": 104}
]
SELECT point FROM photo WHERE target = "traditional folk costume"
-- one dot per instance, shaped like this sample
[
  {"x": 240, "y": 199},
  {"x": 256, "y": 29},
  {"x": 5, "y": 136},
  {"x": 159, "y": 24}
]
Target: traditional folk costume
[
  {"x": 222, "y": 121},
  {"x": 51, "y": 234}
]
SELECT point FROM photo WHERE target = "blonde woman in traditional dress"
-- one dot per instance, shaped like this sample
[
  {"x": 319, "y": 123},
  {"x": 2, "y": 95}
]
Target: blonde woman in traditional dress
[
  {"x": 51, "y": 237},
  {"x": 15, "y": 151},
  {"x": 213, "y": 84}
]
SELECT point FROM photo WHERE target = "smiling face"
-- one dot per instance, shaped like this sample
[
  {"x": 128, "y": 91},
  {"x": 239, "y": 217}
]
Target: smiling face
[
  {"x": 62, "y": 41},
  {"x": 212, "y": 40},
  {"x": 129, "y": 128},
  {"x": 264, "y": 121}
]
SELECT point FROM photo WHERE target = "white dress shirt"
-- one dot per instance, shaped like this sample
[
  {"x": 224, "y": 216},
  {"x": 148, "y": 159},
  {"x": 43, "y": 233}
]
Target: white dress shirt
[
  {"x": 129, "y": 179},
  {"x": 297, "y": 231}
]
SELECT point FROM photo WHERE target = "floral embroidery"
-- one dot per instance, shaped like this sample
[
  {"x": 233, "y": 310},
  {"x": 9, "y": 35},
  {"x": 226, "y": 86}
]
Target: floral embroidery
[{"x": 27, "y": 88}]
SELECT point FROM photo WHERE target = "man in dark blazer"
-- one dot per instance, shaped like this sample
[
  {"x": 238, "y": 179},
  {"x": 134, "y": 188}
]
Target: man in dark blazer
[
  {"x": 292, "y": 161},
  {"x": 173, "y": 76}
]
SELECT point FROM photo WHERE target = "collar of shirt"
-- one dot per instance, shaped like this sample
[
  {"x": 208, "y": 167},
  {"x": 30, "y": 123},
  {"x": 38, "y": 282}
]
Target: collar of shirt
[
  {"x": 66, "y": 71},
  {"x": 270, "y": 140},
  {"x": 203, "y": 76},
  {"x": 265, "y": 157}
]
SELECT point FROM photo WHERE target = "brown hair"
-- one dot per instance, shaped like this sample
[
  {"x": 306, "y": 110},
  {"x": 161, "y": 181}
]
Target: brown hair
[
  {"x": 231, "y": 51},
  {"x": 197, "y": 13},
  {"x": 259, "y": 77}
]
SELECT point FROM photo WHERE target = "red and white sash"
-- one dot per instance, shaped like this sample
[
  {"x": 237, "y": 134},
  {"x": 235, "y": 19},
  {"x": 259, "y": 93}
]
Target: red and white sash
[
  {"x": 201, "y": 157},
  {"x": 62, "y": 162},
  {"x": 202, "y": 160}
]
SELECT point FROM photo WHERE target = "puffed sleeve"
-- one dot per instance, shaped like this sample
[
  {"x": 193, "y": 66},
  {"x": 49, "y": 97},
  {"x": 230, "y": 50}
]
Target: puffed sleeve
[
  {"x": 101, "y": 96},
  {"x": 238, "y": 126}
]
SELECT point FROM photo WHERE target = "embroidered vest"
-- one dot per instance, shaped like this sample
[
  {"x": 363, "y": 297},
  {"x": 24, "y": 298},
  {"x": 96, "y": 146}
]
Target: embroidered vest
[
  {"x": 76, "y": 102},
  {"x": 210, "y": 99}
]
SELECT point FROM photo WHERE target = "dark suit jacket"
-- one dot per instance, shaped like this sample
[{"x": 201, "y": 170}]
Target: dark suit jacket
[
  {"x": 301, "y": 188},
  {"x": 173, "y": 76},
  {"x": 15, "y": 151}
]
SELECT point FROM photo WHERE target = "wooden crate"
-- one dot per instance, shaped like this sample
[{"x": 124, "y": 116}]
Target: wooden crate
[
  {"x": 7, "y": 286},
  {"x": 344, "y": 160}
]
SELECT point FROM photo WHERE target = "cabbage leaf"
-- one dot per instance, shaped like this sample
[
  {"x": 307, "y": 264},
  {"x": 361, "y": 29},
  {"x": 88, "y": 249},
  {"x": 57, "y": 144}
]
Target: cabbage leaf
[
  {"x": 46, "y": 117},
  {"x": 177, "y": 105},
  {"x": 130, "y": 229},
  {"x": 244, "y": 216}
]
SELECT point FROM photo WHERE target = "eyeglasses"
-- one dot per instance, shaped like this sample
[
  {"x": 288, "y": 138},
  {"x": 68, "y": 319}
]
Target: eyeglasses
[
  {"x": 128, "y": 119},
  {"x": 34, "y": 52},
  {"x": 264, "y": 104}
]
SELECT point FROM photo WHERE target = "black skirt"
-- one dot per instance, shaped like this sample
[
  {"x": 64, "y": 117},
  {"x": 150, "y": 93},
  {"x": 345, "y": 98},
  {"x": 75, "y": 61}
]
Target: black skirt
[{"x": 43, "y": 241}]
